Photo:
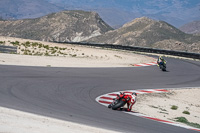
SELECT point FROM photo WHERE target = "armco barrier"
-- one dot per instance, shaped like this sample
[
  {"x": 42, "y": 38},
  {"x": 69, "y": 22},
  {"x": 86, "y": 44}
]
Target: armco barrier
[
  {"x": 8, "y": 49},
  {"x": 140, "y": 49}
]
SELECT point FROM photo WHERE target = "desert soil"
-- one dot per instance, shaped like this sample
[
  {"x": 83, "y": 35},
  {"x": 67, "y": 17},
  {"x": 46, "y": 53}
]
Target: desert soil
[
  {"x": 72, "y": 56},
  {"x": 158, "y": 105},
  {"x": 155, "y": 105}
]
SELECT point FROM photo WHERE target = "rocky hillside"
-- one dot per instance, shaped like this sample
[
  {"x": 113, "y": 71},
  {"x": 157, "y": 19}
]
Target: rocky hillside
[
  {"x": 150, "y": 33},
  {"x": 191, "y": 28},
  {"x": 63, "y": 26}
]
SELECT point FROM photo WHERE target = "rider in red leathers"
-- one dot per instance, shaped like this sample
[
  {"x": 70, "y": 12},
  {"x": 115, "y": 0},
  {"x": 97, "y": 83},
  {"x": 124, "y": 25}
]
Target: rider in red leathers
[{"x": 131, "y": 99}]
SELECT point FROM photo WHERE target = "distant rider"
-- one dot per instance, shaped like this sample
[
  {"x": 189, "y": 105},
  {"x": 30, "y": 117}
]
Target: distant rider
[
  {"x": 131, "y": 99},
  {"x": 160, "y": 60}
]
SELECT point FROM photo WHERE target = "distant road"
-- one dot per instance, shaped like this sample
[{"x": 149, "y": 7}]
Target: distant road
[{"x": 69, "y": 93}]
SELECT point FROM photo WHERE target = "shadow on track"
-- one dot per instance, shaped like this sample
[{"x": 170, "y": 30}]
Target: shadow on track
[{"x": 125, "y": 110}]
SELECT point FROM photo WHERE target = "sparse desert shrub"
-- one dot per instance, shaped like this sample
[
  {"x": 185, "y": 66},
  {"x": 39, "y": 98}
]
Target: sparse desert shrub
[
  {"x": 53, "y": 52},
  {"x": 15, "y": 43},
  {"x": 174, "y": 107},
  {"x": 46, "y": 46},
  {"x": 2, "y": 42},
  {"x": 51, "y": 48},
  {"x": 184, "y": 120},
  {"x": 46, "y": 54},
  {"x": 59, "y": 52},
  {"x": 34, "y": 44},
  {"x": 27, "y": 43},
  {"x": 118, "y": 56},
  {"x": 186, "y": 112},
  {"x": 181, "y": 119},
  {"x": 40, "y": 45},
  {"x": 62, "y": 48},
  {"x": 163, "y": 112},
  {"x": 26, "y": 52}
]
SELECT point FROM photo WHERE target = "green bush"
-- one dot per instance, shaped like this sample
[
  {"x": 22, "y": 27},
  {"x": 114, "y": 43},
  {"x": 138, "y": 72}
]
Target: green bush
[
  {"x": 186, "y": 112},
  {"x": 184, "y": 120},
  {"x": 40, "y": 45},
  {"x": 53, "y": 52},
  {"x": 2, "y": 42},
  {"x": 15, "y": 43},
  {"x": 46, "y": 54},
  {"x": 74, "y": 55},
  {"x": 181, "y": 119},
  {"x": 34, "y": 44},
  {"x": 26, "y": 52},
  {"x": 174, "y": 107},
  {"x": 27, "y": 43},
  {"x": 62, "y": 48},
  {"x": 46, "y": 46}
]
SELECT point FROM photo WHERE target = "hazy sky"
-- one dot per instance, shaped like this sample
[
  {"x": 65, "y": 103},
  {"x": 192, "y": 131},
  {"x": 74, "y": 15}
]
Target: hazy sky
[{"x": 175, "y": 12}]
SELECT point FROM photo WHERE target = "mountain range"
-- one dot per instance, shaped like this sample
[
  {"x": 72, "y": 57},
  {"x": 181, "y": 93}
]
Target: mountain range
[
  {"x": 114, "y": 12},
  {"x": 84, "y": 26},
  {"x": 65, "y": 26},
  {"x": 191, "y": 28},
  {"x": 146, "y": 32}
]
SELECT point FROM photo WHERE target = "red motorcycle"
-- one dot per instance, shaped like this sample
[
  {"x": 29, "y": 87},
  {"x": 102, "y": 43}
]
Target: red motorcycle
[{"x": 119, "y": 102}]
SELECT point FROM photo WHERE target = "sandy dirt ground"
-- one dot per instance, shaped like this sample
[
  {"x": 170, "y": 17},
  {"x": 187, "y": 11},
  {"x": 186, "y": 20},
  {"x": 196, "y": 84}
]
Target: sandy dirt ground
[
  {"x": 158, "y": 105},
  {"x": 71, "y": 56},
  {"x": 154, "y": 105}
]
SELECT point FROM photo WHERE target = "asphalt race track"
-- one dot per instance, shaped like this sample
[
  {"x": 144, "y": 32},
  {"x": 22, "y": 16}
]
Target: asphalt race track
[{"x": 69, "y": 93}]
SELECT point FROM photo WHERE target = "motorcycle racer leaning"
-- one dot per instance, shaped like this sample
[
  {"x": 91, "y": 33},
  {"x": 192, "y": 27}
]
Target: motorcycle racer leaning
[
  {"x": 131, "y": 99},
  {"x": 160, "y": 60}
]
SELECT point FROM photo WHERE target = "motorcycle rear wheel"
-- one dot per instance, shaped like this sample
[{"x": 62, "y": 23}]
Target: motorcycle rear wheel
[{"x": 118, "y": 105}]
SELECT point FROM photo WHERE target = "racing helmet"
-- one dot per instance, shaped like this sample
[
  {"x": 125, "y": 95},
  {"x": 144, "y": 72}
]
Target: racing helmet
[
  {"x": 161, "y": 58},
  {"x": 134, "y": 93}
]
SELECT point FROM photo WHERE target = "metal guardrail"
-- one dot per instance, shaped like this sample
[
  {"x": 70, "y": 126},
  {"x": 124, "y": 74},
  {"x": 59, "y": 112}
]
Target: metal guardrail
[
  {"x": 140, "y": 49},
  {"x": 8, "y": 49}
]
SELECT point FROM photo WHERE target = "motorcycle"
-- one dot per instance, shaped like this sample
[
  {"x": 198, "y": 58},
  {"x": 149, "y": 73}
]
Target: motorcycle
[
  {"x": 118, "y": 102},
  {"x": 162, "y": 65}
]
